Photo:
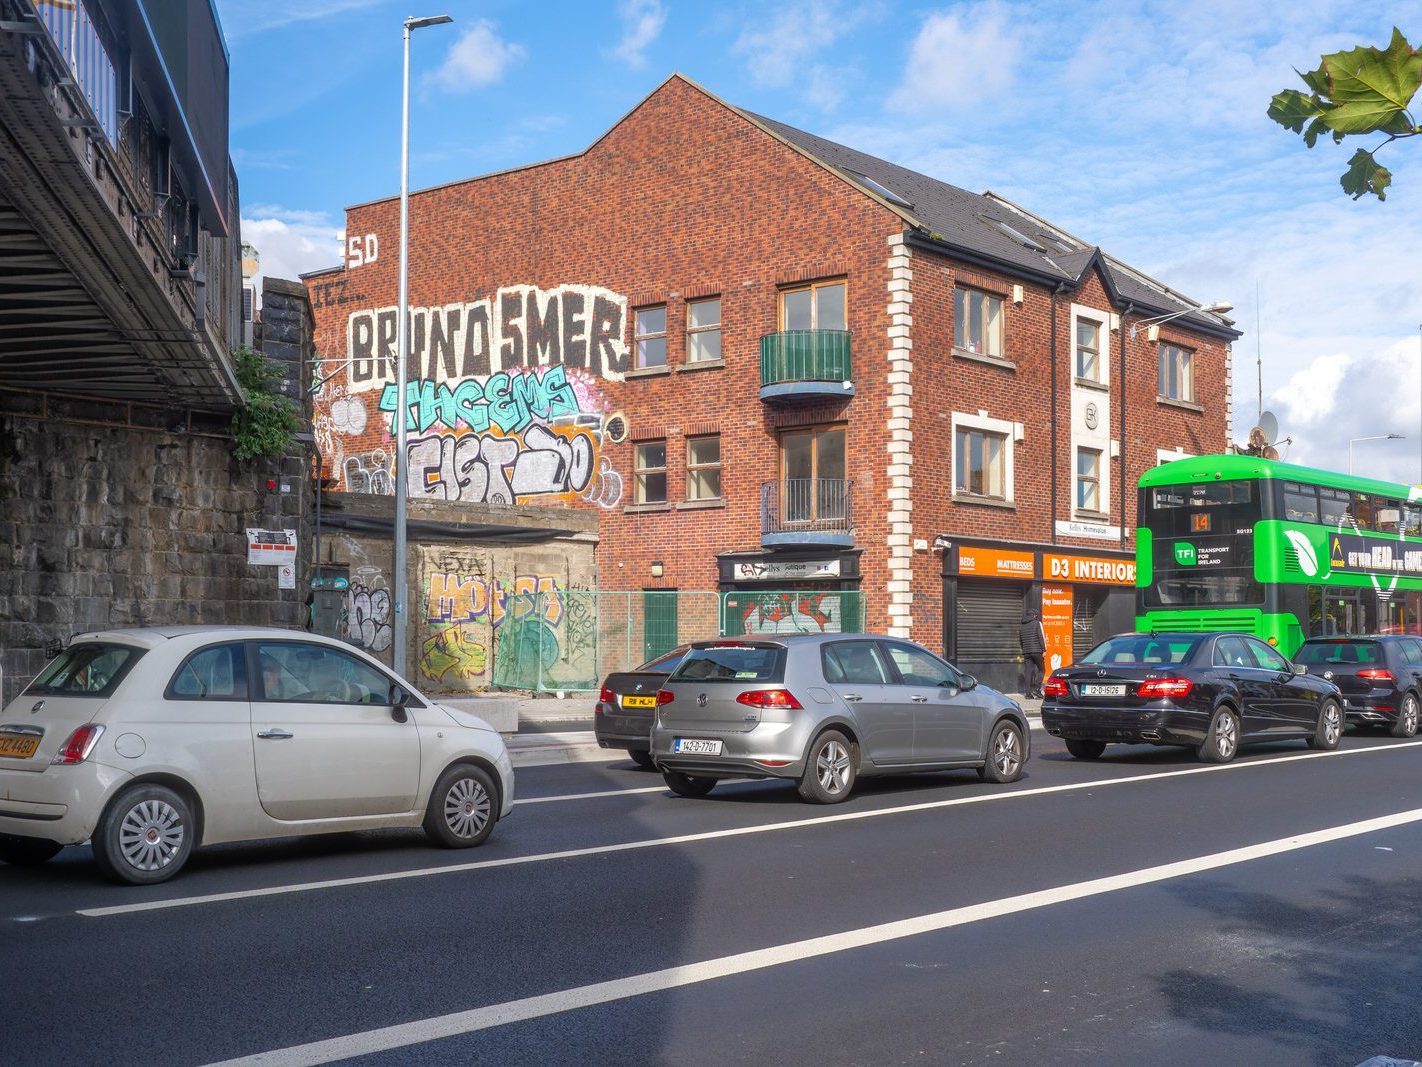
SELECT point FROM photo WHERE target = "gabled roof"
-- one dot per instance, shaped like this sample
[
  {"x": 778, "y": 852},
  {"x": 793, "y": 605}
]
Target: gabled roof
[{"x": 992, "y": 229}]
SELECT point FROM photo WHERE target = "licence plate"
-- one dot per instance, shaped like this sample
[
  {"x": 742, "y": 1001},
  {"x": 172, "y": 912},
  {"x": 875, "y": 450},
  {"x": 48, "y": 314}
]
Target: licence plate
[
  {"x": 1103, "y": 690},
  {"x": 18, "y": 746},
  {"x": 697, "y": 747},
  {"x": 639, "y": 702}
]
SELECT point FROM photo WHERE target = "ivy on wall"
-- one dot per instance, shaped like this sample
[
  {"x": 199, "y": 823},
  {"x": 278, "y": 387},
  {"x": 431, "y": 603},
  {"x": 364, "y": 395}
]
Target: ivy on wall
[{"x": 266, "y": 424}]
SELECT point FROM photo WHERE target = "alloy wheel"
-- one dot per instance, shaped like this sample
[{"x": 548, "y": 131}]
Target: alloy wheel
[
  {"x": 1333, "y": 724},
  {"x": 151, "y": 835},
  {"x": 467, "y": 807},
  {"x": 1006, "y": 753},
  {"x": 1226, "y": 735},
  {"x": 832, "y": 767},
  {"x": 1409, "y": 715}
]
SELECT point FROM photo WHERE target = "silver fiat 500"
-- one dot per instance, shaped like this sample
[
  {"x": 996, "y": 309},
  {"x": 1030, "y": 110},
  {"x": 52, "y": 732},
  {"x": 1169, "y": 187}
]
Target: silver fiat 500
[{"x": 823, "y": 709}]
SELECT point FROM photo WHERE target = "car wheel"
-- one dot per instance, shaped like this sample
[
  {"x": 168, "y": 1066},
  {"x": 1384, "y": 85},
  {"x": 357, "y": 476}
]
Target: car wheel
[
  {"x": 1083, "y": 749},
  {"x": 461, "y": 812},
  {"x": 1405, "y": 725},
  {"x": 1222, "y": 741},
  {"x": 1004, "y": 755},
  {"x": 27, "y": 851},
  {"x": 642, "y": 758},
  {"x": 145, "y": 835},
  {"x": 830, "y": 769},
  {"x": 684, "y": 785},
  {"x": 1330, "y": 727}
]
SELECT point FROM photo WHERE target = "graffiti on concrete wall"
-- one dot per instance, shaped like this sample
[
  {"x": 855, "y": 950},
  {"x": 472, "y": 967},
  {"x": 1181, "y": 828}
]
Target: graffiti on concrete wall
[
  {"x": 791, "y": 613},
  {"x": 462, "y": 612},
  {"x": 369, "y": 611},
  {"x": 504, "y": 398}
]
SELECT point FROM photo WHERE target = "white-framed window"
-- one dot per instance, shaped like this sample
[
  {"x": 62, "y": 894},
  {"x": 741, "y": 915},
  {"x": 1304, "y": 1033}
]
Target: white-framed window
[
  {"x": 703, "y": 467},
  {"x": 982, "y": 456},
  {"x": 1090, "y": 341},
  {"x": 651, "y": 472},
  {"x": 977, "y": 322},
  {"x": 1170, "y": 455},
  {"x": 651, "y": 337},
  {"x": 1177, "y": 373},
  {"x": 1088, "y": 480},
  {"x": 703, "y": 330}
]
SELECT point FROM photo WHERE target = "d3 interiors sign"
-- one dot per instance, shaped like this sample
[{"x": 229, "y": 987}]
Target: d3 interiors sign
[
  {"x": 270, "y": 548},
  {"x": 1088, "y": 569},
  {"x": 996, "y": 563}
]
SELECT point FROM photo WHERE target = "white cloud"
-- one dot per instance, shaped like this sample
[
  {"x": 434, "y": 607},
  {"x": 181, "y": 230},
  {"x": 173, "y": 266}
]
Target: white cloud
[
  {"x": 289, "y": 242},
  {"x": 960, "y": 57},
  {"x": 780, "y": 50},
  {"x": 479, "y": 58},
  {"x": 242, "y": 18},
  {"x": 642, "y": 22}
]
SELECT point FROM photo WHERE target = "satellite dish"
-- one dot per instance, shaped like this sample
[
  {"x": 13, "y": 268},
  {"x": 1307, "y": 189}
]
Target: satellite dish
[{"x": 1270, "y": 425}]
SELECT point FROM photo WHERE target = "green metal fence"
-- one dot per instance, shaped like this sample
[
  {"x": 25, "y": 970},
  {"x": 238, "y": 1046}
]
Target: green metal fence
[{"x": 570, "y": 640}]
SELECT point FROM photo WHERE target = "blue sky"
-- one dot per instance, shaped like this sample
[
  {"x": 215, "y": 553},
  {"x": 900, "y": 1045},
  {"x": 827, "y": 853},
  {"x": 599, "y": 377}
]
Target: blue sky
[{"x": 1138, "y": 127}]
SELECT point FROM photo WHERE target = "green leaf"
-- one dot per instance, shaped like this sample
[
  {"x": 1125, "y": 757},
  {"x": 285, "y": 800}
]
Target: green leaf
[
  {"x": 1316, "y": 129},
  {"x": 1291, "y": 109},
  {"x": 1364, "y": 176},
  {"x": 1369, "y": 88}
]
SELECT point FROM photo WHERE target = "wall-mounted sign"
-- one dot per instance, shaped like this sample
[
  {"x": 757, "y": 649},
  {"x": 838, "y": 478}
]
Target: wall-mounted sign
[
  {"x": 1094, "y": 530},
  {"x": 1060, "y": 567},
  {"x": 1056, "y": 625},
  {"x": 270, "y": 548},
  {"x": 286, "y": 576},
  {"x": 996, "y": 563},
  {"x": 773, "y": 570}
]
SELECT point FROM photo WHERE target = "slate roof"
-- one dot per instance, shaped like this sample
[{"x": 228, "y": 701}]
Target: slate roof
[{"x": 988, "y": 227}]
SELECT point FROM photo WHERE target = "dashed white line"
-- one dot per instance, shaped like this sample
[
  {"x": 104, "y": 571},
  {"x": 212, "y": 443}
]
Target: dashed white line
[{"x": 712, "y": 835}]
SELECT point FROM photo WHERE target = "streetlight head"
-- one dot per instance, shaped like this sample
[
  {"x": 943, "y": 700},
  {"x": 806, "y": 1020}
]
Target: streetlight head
[
  {"x": 430, "y": 20},
  {"x": 1219, "y": 307}
]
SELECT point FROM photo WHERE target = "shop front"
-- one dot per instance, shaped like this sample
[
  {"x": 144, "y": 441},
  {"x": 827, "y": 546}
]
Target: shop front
[
  {"x": 765, "y": 593},
  {"x": 1081, "y": 596}
]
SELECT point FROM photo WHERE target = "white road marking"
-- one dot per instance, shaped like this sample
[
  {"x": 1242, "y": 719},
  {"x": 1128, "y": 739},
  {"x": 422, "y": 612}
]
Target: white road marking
[
  {"x": 404, "y": 1035},
  {"x": 712, "y": 835},
  {"x": 591, "y": 796}
]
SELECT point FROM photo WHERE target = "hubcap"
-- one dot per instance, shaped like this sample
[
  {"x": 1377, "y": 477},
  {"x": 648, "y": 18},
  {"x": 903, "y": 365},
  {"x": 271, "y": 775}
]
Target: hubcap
[
  {"x": 1005, "y": 754},
  {"x": 466, "y": 807},
  {"x": 1225, "y": 735},
  {"x": 832, "y": 767},
  {"x": 1409, "y": 715},
  {"x": 1332, "y": 724},
  {"x": 151, "y": 834}
]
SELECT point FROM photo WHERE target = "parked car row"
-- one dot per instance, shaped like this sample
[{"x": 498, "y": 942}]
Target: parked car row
[{"x": 150, "y": 742}]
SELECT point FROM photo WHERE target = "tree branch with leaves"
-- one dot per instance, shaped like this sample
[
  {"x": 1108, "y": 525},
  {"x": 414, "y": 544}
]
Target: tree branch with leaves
[
  {"x": 267, "y": 422},
  {"x": 1360, "y": 92}
]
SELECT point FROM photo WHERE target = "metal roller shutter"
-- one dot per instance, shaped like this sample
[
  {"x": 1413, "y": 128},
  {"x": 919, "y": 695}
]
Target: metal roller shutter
[{"x": 989, "y": 618}]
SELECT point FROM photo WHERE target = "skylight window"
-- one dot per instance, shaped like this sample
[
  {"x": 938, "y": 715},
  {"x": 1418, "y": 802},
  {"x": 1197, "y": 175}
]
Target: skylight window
[
  {"x": 883, "y": 190},
  {"x": 1017, "y": 235}
]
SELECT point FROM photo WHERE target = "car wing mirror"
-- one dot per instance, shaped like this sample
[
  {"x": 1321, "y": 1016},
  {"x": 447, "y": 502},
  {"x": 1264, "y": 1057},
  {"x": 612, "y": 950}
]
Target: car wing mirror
[
  {"x": 1300, "y": 668},
  {"x": 399, "y": 701},
  {"x": 969, "y": 682}
]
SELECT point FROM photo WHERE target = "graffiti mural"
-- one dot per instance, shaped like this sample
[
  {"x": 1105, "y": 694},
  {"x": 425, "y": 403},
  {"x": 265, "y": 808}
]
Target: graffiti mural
[
  {"x": 369, "y": 616},
  {"x": 463, "y": 611},
  {"x": 503, "y": 403},
  {"x": 791, "y": 613},
  {"x": 454, "y": 657}
]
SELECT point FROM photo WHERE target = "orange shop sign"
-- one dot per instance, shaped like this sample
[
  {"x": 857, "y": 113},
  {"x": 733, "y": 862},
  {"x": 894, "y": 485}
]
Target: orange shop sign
[
  {"x": 1088, "y": 569},
  {"x": 997, "y": 563}
]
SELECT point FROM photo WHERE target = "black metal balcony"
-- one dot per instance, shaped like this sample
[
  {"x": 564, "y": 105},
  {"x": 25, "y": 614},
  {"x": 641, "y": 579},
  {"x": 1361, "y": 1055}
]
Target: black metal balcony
[
  {"x": 805, "y": 364},
  {"x": 807, "y": 511}
]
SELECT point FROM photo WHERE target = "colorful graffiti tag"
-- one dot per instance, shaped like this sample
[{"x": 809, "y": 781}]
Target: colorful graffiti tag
[
  {"x": 463, "y": 611},
  {"x": 791, "y": 613}
]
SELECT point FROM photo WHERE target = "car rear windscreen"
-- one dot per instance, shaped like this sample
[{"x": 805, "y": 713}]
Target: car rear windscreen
[
  {"x": 1144, "y": 650},
  {"x": 92, "y": 670},
  {"x": 732, "y": 663},
  {"x": 1340, "y": 653}
]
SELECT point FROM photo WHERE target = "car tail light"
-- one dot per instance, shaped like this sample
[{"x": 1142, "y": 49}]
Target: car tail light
[
  {"x": 1055, "y": 687},
  {"x": 770, "y": 698},
  {"x": 664, "y": 696},
  {"x": 81, "y": 742},
  {"x": 605, "y": 696},
  {"x": 1376, "y": 674},
  {"x": 1165, "y": 687}
]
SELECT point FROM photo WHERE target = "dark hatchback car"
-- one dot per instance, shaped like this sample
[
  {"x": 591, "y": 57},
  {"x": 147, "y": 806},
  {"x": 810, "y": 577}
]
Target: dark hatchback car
[
  {"x": 1380, "y": 677},
  {"x": 627, "y": 703},
  {"x": 1210, "y": 692}
]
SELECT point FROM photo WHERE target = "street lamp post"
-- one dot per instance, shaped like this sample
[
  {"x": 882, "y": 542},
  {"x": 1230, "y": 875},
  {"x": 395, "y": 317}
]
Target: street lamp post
[
  {"x": 402, "y": 355},
  {"x": 1378, "y": 437}
]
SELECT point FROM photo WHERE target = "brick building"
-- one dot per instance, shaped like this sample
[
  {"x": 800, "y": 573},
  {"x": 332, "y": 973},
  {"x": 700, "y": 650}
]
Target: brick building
[{"x": 772, "y": 363}]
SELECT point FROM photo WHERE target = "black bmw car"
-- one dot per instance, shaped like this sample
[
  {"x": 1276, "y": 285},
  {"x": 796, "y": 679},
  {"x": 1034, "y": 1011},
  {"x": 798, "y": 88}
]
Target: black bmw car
[
  {"x": 1380, "y": 677},
  {"x": 1210, "y": 692},
  {"x": 627, "y": 704}
]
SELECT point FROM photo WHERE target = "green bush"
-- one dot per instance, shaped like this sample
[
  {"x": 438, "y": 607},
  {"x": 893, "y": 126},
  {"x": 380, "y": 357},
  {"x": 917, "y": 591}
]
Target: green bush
[{"x": 265, "y": 425}]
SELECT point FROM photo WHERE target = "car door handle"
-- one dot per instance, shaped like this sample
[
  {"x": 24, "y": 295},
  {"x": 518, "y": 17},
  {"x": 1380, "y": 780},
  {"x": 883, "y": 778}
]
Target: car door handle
[
  {"x": 275, "y": 735},
  {"x": 919, "y": 698},
  {"x": 853, "y": 696}
]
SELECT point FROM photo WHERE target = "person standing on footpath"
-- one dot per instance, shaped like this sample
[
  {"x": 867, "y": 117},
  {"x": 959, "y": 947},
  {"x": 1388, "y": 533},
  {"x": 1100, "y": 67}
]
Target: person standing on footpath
[{"x": 1034, "y": 646}]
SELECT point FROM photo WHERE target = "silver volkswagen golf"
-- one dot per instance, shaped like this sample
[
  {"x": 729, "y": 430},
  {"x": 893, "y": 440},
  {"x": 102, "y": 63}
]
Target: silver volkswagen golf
[{"x": 823, "y": 709}]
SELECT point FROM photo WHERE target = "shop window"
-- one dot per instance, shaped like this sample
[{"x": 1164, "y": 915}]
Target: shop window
[
  {"x": 703, "y": 330},
  {"x": 651, "y": 473},
  {"x": 703, "y": 467},
  {"x": 820, "y": 306},
  {"x": 977, "y": 322},
  {"x": 651, "y": 337},
  {"x": 1177, "y": 373}
]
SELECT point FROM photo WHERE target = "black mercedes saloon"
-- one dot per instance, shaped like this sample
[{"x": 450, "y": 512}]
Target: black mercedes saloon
[{"x": 1210, "y": 692}]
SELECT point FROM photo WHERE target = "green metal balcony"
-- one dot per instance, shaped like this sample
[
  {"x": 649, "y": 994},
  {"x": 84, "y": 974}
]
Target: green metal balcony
[{"x": 805, "y": 365}]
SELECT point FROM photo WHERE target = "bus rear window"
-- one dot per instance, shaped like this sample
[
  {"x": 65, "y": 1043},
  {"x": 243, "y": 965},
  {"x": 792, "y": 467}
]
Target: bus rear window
[
  {"x": 1316, "y": 653},
  {"x": 1202, "y": 495},
  {"x": 732, "y": 663}
]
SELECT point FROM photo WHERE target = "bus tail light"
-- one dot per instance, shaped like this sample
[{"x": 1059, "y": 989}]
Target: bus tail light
[
  {"x": 1156, "y": 688},
  {"x": 1376, "y": 674},
  {"x": 1055, "y": 687}
]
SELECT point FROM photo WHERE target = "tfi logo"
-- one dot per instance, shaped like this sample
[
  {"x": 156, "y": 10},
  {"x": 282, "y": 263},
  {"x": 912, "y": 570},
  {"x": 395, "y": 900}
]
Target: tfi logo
[{"x": 1185, "y": 554}]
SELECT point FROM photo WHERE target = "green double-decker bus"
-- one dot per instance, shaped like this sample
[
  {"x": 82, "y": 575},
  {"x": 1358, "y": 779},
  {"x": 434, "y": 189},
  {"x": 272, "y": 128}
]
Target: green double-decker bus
[{"x": 1276, "y": 550}]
